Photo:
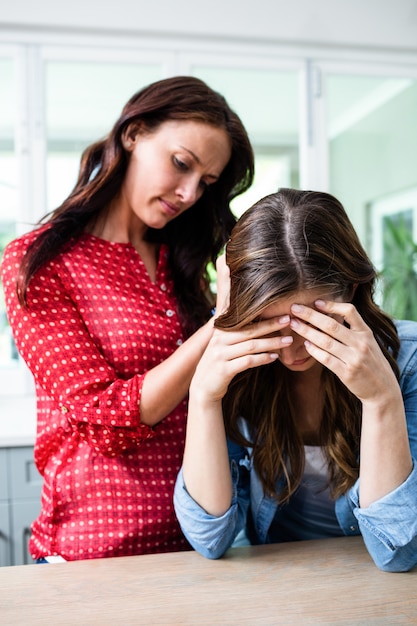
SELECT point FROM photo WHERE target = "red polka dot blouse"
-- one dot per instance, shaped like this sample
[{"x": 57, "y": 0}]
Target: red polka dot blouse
[{"x": 95, "y": 325}]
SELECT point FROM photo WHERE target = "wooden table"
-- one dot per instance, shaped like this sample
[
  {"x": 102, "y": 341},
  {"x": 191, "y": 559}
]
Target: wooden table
[{"x": 311, "y": 582}]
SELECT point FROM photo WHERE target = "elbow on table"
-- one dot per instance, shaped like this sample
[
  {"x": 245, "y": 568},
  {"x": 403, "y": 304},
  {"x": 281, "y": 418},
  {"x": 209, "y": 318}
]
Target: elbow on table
[
  {"x": 211, "y": 546},
  {"x": 396, "y": 567},
  {"x": 399, "y": 560},
  {"x": 212, "y": 552},
  {"x": 208, "y": 535}
]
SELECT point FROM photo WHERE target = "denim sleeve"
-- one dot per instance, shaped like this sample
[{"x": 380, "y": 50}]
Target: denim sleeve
[
  {"x": 211, "y": 536},
  {"x": 389, "y": 525}
]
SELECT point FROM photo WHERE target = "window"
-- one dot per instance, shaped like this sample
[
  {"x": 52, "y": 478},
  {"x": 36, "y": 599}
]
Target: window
[
  {"x": 82, "y": 101},
  {"x": 56, "y": 106},
  {"x": 267, "y": 99},
  {"x": 8, "y": 189},
  {"x": 317, "y": 123},
  {"x": 372, "y": 142}
]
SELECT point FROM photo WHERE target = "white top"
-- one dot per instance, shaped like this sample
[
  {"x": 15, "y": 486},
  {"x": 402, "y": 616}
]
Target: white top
[{"x": 310, "y": 514}]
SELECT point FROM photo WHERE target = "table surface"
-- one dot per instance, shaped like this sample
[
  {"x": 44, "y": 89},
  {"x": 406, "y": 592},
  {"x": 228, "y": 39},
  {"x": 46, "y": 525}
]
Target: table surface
[{"x": 332, "y": 581}]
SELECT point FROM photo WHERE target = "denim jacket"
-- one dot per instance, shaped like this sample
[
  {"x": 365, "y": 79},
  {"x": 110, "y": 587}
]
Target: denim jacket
[{"x": 388, "y": 526}]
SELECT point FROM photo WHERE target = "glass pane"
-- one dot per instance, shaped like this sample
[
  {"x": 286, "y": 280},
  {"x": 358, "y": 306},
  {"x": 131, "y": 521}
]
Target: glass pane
[
  {"x": 267, "y": 101},
  {"x": 8, "y": 190},
  {"x": 83, "y": 100},
  {"x": 372, "y": 136},
  {"x": 372, "y": 139}
]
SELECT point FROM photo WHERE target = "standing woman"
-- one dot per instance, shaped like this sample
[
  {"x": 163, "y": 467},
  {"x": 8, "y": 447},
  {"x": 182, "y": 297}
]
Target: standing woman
[
  {"x": 109, "y": 304},
  {"x": 315, "y": 387}
]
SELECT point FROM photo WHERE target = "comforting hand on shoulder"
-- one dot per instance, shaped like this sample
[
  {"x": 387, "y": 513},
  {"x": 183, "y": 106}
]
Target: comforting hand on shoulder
[{"x": 223, "y": 285}]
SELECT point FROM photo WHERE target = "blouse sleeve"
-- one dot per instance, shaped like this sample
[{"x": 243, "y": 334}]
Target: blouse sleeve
[{"x": 54, "y": 341}]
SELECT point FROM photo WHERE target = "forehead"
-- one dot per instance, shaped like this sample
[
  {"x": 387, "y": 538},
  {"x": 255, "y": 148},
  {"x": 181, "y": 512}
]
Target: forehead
[
  {"x": 283, "y": 305},
  {"x": 209, "y": 146},
  {"x": 191, "y": 130}
]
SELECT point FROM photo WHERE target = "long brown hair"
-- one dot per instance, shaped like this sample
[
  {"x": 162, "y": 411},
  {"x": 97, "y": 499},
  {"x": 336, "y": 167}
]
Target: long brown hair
[
  {"x": 197, "y": 235},
  {"x": 290, "y": 241}
]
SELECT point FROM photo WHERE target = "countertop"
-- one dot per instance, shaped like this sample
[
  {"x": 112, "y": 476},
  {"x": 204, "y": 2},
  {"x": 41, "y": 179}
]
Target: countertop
[
  {"x": 17, "y": 421},
  {"x": 329, "y": 581}
]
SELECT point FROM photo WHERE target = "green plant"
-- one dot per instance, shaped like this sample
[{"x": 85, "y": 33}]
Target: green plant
[{"x": 399, "y": 273}]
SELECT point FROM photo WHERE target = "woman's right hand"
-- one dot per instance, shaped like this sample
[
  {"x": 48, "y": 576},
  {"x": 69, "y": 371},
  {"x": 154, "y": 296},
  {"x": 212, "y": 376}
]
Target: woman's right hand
[
  {"x": 230, "y": 352},
  {"x": 223, "y": 285}
]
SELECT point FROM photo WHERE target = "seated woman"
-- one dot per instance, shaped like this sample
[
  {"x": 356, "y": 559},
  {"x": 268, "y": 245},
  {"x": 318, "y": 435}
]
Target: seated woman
[{"x": 303, "y": 409}]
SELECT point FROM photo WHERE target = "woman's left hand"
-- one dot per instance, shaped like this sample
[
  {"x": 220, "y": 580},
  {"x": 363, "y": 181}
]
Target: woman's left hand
[
  {"x": 350, "y": 351},
  {"x": 336, "y": 336}
]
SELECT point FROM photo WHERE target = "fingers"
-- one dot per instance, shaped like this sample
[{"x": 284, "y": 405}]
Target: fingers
[
  {"x": 335, "y": 319},
  {"x": 249, "y": 347},
  {"x": 231, "y": 352},
  {"x": 259, "y": 337},
  {"x": 328, "y": 339},
  {"x": 344, "y": 312},
  {"x": 350, "y": 351},
  {"x": 223, "y": 285},
  {"x": 229, "y": 359},
  {"x": 221, "y": 264},
  {"x": 320, "y": 330},
  {"x": 262, "y": 329}
]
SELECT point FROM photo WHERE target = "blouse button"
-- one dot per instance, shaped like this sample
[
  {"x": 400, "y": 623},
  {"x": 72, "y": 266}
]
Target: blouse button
[
  {"x": 64, "y": 409},
  {"x": 163, "y": 287},
  {"x": 169, "y": 313},
  {"x": 179, "y": 342}
]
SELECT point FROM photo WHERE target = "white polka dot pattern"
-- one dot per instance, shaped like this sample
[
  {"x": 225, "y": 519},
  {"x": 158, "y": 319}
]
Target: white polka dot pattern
[{"x": 95, "y": 325}]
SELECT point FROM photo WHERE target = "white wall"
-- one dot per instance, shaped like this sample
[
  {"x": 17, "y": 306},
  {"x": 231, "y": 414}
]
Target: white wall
[{"x": 385, "y": 24}]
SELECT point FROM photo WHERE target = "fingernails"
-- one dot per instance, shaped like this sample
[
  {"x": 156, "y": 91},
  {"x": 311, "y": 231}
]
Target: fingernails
[
  {"x": 284, "y": 319},
  {"x": 287, "y": 339},
  {"x": 297, "y": 308}
]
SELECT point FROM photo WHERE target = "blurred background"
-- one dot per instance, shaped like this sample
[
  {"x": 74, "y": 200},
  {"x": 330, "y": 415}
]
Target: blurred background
[{"x": 326, "y": 89}]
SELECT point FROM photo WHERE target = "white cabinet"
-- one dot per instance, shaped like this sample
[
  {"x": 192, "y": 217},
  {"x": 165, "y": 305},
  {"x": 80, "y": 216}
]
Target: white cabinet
[
  {"x": 5, "y": 552},
  {"x": 20, "y": 490},
  {"x": 5, "y": 547}
]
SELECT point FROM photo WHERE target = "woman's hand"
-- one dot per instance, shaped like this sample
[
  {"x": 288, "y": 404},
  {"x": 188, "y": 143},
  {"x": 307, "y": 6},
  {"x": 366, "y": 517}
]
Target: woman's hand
[
  {"x": 351, "y": 352},
  {"x": 223, "y": 285},
  {"x": 231, "y": 352}
]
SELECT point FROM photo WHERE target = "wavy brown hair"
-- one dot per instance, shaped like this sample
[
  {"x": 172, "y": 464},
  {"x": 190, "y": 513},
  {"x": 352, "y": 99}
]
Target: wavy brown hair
[
  {"x": 196, "y": 236},
  {"x": 290, "y": 241}
]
